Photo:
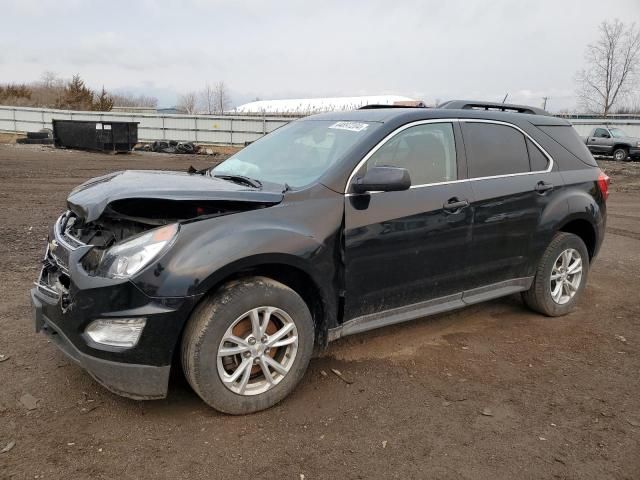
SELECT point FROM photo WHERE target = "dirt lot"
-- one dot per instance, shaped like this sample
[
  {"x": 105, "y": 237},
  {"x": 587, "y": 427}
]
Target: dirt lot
[{"x": 492, "y": 391}]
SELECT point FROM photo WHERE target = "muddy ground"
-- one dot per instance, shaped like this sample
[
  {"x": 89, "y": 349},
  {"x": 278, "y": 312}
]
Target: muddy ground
[{"x": 492, "y": 391}]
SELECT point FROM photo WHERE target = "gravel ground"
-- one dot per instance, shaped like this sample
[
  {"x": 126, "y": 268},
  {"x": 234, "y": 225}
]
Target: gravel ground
[{"x": 492, "y": 391}]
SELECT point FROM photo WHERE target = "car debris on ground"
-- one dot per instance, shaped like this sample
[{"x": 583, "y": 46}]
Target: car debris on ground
[
  {"x": 29, "y": 402},
  {"x": 8, "y": 447},
  {"x": 173, "y": 146}
]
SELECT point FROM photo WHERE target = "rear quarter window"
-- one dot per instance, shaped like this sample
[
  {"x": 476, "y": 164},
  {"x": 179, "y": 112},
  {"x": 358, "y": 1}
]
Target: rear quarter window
[{"x": 567, "y": 137}]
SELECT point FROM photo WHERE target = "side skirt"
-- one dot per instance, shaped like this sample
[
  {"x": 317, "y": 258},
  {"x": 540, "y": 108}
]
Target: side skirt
[{"x": 429, "y": 307}]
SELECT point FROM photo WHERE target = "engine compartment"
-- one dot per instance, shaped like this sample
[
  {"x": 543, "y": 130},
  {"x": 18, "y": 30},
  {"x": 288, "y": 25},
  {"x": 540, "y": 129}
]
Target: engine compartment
[
  {"x": 123, "y": 219},
  {"x": 126, "y": 218}
]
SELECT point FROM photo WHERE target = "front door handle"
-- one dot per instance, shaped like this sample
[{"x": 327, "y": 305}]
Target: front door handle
[
  {"x": 454, "y": 205},
  {"x": 543, "y": 187}
]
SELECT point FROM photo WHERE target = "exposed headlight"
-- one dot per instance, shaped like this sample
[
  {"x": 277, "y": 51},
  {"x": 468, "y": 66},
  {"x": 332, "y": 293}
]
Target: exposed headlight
[
  {"x": 116, "y": 332},
  {"x": 129, "y": 257}
]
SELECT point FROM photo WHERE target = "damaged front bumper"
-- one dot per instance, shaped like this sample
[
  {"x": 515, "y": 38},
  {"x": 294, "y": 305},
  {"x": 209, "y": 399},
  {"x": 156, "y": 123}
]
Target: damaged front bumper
[{"x": 66, "y": 299}]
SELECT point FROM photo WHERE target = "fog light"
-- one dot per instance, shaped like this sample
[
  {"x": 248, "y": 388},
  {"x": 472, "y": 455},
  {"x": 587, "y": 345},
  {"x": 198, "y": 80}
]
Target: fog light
[{"x": 116, "y": 332}]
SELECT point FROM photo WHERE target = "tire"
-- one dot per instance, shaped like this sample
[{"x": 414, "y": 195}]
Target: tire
[
  {"x": 37, "y": 135},
  {"x": 35, "y": 141},
  {"x": 226, "y": 312},
  {"x": 539, "y": 297},
  {"x": 620, "y": 154}
]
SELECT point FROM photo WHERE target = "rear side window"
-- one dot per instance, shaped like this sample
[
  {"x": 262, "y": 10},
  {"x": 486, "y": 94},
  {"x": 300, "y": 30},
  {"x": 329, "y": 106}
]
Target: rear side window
[
  {"x": 427, "y": 151},
  {"x": 494, "y": 150},
  {"x": 567, "y": 136},
  {"x": 537, "y": 159}
]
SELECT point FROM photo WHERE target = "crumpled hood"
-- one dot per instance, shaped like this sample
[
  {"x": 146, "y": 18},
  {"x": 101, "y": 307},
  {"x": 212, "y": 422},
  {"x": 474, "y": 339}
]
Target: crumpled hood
[{"x": 91, "y": 198}]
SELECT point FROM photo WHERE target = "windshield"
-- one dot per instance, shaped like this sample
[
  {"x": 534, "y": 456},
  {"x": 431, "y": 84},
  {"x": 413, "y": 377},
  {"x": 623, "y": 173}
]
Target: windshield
[
  {"x": 617, "y": 133},
  {"x": 296, "y": 154}
]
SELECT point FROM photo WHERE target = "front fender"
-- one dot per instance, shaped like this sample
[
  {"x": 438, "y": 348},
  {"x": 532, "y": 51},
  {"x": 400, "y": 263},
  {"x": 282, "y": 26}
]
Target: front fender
[{"x": 302, "y": 233}]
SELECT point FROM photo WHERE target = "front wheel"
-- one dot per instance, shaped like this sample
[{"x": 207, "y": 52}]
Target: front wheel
[
  {"x": 620, "y": 154},
  {"x": 247, "y": 346},
  {"x": 561, "y": 276}
]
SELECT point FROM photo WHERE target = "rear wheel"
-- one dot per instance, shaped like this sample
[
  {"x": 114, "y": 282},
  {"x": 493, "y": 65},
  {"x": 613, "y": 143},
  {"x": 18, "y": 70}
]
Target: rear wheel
[
  {"x": 620, "y": 154},
  {"x": 247, "y": 346},
  {"x": 560, "y": 277}
]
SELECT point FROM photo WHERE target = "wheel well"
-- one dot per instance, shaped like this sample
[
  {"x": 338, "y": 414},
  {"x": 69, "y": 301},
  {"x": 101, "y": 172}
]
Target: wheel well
[
  {"x": 297, "y": 280},
  {"x": 584, "y": 230},
  {"x": 624, "y": 147}
]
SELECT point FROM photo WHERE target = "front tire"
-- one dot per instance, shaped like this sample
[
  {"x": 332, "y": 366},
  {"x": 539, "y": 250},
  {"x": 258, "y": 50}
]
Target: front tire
[
  {"x": 620, "y": 154},
  {"x": 246, "y": 347},
  {"x": 561, "y": 276}
]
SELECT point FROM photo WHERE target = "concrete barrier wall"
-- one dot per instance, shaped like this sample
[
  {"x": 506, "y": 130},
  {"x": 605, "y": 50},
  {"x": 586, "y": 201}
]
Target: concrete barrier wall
[{"x": 214, "y": 129}]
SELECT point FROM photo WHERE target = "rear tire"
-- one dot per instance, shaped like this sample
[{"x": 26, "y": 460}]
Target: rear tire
[
  {"x": 620, "y": 154},
  {"x": 244, "y": 318},
  {"x": 560, "y": 278}
]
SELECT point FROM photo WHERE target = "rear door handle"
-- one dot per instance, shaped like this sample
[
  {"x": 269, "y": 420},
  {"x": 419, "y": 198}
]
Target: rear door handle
[
  {"x": 453, "y": 205},
  {"x": 542, "y": 187}
]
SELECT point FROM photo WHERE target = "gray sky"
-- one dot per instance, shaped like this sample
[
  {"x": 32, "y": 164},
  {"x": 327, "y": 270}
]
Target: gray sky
[{"x": 281, "y": 49}]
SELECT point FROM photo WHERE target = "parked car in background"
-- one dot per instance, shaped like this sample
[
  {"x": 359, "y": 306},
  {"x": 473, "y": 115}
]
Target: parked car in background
[
  {"x": 612, "y": 141},
  {"x": 332, "y": 225}
]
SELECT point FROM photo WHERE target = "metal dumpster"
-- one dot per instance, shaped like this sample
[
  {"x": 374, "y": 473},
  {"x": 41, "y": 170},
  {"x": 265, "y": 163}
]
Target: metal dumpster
[{"x": 91, "y": 135}]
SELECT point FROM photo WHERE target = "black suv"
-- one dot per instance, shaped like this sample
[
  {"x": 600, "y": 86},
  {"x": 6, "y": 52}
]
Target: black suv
[{"x": 332, "y": 225}]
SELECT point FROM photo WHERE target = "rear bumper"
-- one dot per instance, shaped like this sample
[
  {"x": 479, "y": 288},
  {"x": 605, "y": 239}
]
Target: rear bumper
[{"x": 141, "y": 382}]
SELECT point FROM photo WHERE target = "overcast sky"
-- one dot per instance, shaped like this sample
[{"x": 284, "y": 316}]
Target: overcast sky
[{"x": 429, "y": 50}]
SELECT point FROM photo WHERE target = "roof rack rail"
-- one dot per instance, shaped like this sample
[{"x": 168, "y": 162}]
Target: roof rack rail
[
  {"x": 400, "y": 104},
  {"x": 502, "y": 107}
]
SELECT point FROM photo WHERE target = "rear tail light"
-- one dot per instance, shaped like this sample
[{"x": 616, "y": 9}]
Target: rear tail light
[{"x": 603, "y": 185}]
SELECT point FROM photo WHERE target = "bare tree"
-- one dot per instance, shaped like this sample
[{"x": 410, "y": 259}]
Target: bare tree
[
  {"x": 612, "y": 66},
  {"x": 50, "y": 80},
  {"x": 126, "y": 99},
  {"x": 222, "y": 97},
  {"x": 208, "y": 99},
  {"x": 187, "y": 102}
]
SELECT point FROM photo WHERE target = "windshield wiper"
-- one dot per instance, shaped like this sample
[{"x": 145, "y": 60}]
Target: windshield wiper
[{"x": 241, "y": 179}]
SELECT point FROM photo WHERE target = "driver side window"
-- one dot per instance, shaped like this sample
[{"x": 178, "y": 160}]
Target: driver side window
[
  {"x": 601, "y": 133},
  {"x": 427, "y": 151}
]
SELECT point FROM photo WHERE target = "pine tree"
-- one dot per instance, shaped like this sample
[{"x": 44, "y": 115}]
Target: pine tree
[
  {"x": 77, "y": 96},
  {"x": 104, "y": 102}
]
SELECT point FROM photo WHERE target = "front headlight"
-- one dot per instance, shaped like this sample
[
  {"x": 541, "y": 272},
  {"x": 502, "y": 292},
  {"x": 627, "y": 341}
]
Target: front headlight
[{"x": 129, "y": 257}]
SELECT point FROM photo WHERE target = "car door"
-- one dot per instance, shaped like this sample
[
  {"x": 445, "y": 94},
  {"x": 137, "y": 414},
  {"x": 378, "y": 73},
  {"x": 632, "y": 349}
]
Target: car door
[
  {"x": 512, "y": 183},
  {"x": 406, "y": 247},
  {"x": 600, "y": 141}
]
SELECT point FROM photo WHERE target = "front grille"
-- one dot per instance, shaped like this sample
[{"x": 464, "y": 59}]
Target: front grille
[
  {"x": 62, "y": 231},
  {"x": 45, "y": 284},
  {"x": 54, "y": 280}
]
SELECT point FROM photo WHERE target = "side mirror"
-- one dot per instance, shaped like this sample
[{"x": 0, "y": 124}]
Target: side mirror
[{"x": 383, "y": 179}]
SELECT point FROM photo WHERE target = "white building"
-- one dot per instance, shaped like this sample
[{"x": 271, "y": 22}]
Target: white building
[{"x": 318, "y": 105}]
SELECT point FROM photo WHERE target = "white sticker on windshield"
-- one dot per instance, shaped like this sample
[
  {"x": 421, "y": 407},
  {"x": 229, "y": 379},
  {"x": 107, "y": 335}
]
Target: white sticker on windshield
[{"x": 351, "y": 126}]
